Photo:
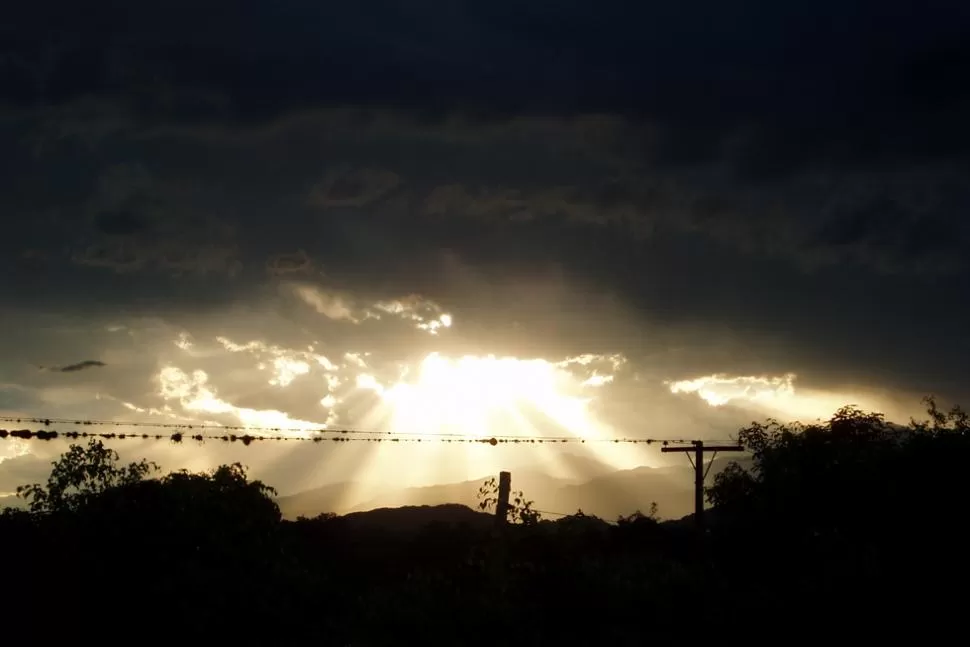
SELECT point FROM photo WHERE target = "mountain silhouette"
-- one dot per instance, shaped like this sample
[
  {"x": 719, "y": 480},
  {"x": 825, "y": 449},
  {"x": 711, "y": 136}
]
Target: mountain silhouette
[
  {"x": 410, "y": 519},
  {"x": 579, "y": 483},
  {"x": 328, "y": 498}
]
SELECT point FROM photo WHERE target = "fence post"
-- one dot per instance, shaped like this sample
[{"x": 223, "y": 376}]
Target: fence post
[{"x": 502, "y": 505}]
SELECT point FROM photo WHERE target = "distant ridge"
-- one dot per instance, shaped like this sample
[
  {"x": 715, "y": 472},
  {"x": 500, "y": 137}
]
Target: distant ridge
[
  {"x": 602, "y": 493},
  {"x": 410, "y": 519}
]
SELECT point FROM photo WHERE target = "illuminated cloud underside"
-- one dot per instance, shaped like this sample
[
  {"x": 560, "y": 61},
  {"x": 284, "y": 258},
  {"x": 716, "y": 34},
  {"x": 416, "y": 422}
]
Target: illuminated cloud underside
[
  {"x": 286, "y": 365},
  {"x": 774, "y": 395},
  {"x": 422, "y": 313},
  {"x": 719, "y": 389},
  {"x": 194, "y": 394},
  {"x": 470, "y": 395},
  {"x": 12, "y": 448}
]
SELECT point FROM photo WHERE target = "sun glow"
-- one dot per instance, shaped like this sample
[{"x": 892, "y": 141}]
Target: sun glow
[
  {"x": 491, "y": 396},
  {"x": 480, "y": 395},
  {"x": 486, "y": 397}
]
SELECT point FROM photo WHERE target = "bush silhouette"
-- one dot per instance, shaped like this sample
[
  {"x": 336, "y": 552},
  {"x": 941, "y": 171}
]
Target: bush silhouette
[
  {"x": 80, "y": 475},
  {"x": 832, "y": 524}
]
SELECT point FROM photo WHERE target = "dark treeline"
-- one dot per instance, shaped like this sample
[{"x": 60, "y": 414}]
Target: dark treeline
[{"x": 849, "y": 528}]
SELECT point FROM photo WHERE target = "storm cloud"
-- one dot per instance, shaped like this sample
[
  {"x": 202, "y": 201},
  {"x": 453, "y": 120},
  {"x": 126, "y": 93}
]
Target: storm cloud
[{"x": 731, "y": 192}]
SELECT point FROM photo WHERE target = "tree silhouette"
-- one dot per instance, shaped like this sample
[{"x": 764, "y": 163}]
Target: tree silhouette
[
  {"x": 955, "y": 422},
  {"x": 831, "y": 520},
  {"x": 637, "y": 515},
  {"x": 847, "y": 470},
  {"x": 81, "y": 474},
  {"x": 847, "y": 512},
  {"x": 226, "y": 497},
  {"x": 520, "y": 509},
  {"x": 816, "y": 481}
]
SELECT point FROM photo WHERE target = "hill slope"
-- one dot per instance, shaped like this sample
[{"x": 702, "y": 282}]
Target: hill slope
[
  {"x": 409, "y": 519},
  {"x": 595, "y": 490}
]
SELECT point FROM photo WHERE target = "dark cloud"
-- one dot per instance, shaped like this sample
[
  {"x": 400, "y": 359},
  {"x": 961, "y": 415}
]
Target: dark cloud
[
  {"x": 751, "y": 189},
  {"x": 74, "y": 368},
  {"x": 804, "y": 80},
  {"x": 120, "y": 223},
  {"x": 537, "y": 230}
]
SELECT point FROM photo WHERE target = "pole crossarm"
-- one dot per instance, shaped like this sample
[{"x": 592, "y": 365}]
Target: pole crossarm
[
  {"x": 697, "y": 448},
  {"x": 707, "y": 448}
]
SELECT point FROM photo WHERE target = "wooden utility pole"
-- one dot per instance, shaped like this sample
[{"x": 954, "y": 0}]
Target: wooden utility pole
[
  {"x": 700, "y": 473},
  {"x": 502, "y": 505}
]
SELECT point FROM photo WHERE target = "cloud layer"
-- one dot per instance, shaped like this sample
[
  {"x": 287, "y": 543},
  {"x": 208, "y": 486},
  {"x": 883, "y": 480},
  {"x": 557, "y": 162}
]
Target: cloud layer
[{"x": 233, "y": 210}]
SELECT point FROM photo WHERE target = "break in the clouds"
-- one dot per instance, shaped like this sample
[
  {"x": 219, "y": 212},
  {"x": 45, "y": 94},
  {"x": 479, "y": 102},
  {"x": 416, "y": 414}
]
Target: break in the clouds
[{"x": 278, "y": 212}]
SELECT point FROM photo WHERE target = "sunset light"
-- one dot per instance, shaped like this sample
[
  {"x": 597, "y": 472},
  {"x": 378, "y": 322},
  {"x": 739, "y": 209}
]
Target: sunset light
[
  {"x": 488, "y": 396},
  {"x": 420, "y": 323},
  {"x": 476, "y": 395}
]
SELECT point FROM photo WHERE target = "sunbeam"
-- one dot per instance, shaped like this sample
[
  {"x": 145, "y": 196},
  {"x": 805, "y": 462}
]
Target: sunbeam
[{"x": 489, "y": 396}]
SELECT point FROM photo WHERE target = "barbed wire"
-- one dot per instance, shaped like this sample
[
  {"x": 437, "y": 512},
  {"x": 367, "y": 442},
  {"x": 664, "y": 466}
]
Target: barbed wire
[
  {"x": 78, "y": 422},
  {"x": 251, "y": 434},
  {"x": 549, "y": 512},
  {"x": 247, "y": 439}
]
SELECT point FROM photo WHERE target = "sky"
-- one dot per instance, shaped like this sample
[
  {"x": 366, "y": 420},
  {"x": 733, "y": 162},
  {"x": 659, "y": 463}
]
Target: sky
[{"x": 599, "y": 220}]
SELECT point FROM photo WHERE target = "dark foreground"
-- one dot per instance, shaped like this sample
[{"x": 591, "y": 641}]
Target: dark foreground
[{"x": 851, "y": 529}]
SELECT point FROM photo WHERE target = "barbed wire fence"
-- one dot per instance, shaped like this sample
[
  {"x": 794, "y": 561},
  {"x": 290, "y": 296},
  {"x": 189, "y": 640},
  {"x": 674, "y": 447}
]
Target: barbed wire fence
[{"x": 247, "y": 435}]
